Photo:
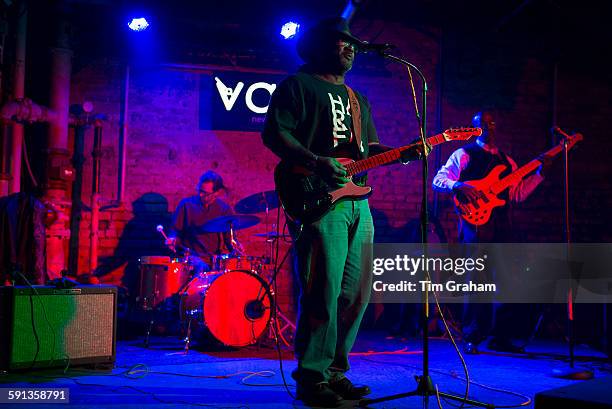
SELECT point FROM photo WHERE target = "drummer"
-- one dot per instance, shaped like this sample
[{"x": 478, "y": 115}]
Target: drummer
[{"x": 192, "y": 213}]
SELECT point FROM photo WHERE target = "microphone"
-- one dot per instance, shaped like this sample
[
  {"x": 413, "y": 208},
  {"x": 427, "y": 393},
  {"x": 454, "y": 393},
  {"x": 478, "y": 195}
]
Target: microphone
[
  {"x": 557, "y": 130},
  {"x": 254, "y": 310},
  {"x": 366, "y": 47}
]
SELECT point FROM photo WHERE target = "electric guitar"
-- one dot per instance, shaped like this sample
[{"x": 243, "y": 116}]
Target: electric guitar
[
  {"x": 479, "y": 212},
  {"x": 306, "y": 197}
]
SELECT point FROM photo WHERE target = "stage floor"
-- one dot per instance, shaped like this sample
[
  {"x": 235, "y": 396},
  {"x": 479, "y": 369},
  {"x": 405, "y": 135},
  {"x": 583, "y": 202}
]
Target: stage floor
[{"x": 164, "y": 376}]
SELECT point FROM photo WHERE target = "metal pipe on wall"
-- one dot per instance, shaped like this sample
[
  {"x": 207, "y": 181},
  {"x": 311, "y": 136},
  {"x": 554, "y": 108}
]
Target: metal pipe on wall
[
  {"x": 95, "y": 200},
  {"x": 25, "y": 110},
  {"x": 82, "y": 122},
  {"x": 5, "y": 160},
  {"x": 61, "y": 66},
  {"x": 123, "y": 137},
  {"x": 76, "y": 210},
  {"x": 18, "y": 93},
  {"x": 5, "y": 145},
  {"x": 59, "y": 167}
]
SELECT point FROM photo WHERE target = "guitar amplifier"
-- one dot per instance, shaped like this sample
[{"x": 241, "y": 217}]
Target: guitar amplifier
[{"x": 45, "y": 326}]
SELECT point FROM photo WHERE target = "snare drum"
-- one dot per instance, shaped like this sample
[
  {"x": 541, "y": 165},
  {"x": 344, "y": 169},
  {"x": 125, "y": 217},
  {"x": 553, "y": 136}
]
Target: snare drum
[
  {"x": 234, "y": 306},
  {"x": 160, "y": 278}
]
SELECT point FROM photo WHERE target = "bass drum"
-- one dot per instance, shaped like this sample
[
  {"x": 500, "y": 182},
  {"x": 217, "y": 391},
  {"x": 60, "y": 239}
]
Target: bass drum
[{"x": 234, "y": 306}]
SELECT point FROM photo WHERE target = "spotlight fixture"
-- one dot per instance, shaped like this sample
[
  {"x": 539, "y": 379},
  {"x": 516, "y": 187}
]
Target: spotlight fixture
[
  {"x": 289, "y": 30},
  {"x": 138, "y": 24}
]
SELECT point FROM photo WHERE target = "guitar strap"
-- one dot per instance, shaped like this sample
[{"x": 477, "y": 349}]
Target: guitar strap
[{"x": 356, "y": 118}]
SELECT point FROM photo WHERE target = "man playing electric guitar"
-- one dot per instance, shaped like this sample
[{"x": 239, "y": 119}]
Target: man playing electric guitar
[
  {"x": 473, "y": 162},
  {"x": 313, "y": 114}
]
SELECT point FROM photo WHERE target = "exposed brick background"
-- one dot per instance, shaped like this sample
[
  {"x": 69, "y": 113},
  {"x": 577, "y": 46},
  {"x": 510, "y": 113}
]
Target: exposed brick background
[{"x": 167, "y": 153}]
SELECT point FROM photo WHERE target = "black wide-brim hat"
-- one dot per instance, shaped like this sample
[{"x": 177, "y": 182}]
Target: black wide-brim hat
[{"x": 329, "y": 29}]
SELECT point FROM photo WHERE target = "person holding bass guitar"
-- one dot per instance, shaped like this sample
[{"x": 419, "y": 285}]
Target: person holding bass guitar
[
  {"x": 313, "y": 116},
  {"x": 476, "y": 161}
]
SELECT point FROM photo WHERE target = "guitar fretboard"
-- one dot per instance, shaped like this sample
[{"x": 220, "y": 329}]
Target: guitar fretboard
[
  {"x": 518, "y": 175},
  {"x": 392, "y": 155}
]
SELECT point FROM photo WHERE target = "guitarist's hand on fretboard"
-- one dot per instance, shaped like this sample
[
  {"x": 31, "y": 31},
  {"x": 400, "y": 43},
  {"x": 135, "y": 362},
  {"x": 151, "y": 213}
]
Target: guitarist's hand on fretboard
[
  {"x": 332, "y": 171},
  {"x": 467, "y": 194},
  {"x": 415, "y": 152}
]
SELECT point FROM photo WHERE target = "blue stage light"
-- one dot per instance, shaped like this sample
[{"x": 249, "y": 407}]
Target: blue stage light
[
  {"x": 138, "y": 24},
  {"x": 289, "y": 30}
]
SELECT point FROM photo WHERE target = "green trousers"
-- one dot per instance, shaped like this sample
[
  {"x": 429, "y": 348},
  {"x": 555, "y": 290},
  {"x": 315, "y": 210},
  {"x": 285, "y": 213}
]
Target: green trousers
[{"x": 333, "y": 264}]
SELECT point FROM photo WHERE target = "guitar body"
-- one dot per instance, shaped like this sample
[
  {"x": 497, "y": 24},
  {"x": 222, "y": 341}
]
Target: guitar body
[
  {"x": 306, "y": 197},
  {"x": 479, "y": 213}
]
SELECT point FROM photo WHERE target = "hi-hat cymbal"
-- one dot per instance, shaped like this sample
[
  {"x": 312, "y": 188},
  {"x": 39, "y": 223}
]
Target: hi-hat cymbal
[
  {"x": 257, "y": 202},
  {"x": 224, "y": 223}
]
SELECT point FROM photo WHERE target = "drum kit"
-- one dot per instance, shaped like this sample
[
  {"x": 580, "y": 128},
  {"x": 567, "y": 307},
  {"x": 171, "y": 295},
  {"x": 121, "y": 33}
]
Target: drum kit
[{"x": 233, "y": 301}]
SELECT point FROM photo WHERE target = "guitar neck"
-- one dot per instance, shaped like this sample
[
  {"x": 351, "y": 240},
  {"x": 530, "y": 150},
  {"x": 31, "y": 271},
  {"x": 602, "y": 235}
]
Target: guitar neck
[
  {"x": 389, "y": 156},
  {"x": 519, "y": 174}
]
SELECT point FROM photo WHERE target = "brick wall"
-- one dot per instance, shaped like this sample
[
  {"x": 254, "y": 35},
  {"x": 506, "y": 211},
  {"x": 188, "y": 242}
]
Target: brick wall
[{"x": 167, "y": 152}]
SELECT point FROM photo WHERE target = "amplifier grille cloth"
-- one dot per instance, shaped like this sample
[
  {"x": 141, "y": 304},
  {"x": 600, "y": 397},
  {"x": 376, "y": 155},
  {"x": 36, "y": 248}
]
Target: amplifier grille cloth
[{"x": 83, "y": 326}]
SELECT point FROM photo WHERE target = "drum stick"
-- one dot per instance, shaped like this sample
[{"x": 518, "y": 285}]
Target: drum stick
[{"x": 160, "y": 229}]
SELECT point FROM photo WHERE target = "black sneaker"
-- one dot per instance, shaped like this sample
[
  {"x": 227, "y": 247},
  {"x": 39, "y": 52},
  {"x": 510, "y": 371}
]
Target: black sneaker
[
  {"x": 345, "y": 388},
  {"x": 318, "y": 394}
]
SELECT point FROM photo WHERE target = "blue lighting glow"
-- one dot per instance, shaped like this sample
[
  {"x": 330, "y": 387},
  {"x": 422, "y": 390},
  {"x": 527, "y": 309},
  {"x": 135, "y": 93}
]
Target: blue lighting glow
[
  {"x": 289, "y": 30},
  {"x": 348, "y": 11},
  {"x": 138, "y": 24}
]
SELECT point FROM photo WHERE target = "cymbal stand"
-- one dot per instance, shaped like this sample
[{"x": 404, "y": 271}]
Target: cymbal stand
[
  {"x": 278, "y": 315},
  {"x": 270, "y": 243},
  {"x": 237, "y": 246}
]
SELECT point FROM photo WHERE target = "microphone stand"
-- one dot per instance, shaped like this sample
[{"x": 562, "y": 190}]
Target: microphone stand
[
  {"x": 572, "y": 372},
  {"x": 425, "y": 386}
]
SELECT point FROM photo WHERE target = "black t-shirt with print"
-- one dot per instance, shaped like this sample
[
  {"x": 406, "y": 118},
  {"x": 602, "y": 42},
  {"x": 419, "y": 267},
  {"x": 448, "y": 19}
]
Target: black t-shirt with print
[{"x": 317, "y": 113}]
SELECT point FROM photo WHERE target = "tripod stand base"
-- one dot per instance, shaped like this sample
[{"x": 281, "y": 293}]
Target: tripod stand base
[
  {"x": 283, "y": 327},
  {"x": 574, "y": 374},
  {"x": 425, "y": 389}
]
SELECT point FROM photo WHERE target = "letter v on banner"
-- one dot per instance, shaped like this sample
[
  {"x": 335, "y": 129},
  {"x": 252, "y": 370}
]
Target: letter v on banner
[{"x": 228, "y": 95}]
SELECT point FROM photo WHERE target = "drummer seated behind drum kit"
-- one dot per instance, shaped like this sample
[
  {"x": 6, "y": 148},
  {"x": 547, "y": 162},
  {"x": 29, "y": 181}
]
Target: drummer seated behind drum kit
[{"x": 222, "y": 293}]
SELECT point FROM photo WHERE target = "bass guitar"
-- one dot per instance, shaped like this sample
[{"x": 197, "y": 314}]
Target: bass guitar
[
  {"x": 479, "y": 212},
  {"x": 306, "y": 197}
]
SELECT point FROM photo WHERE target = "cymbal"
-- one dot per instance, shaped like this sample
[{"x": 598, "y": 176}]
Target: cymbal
[
  {"x": 222, "y": 224},
  {"x": 271, "y": 235},
  {"x": 257, "y": 202}
]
